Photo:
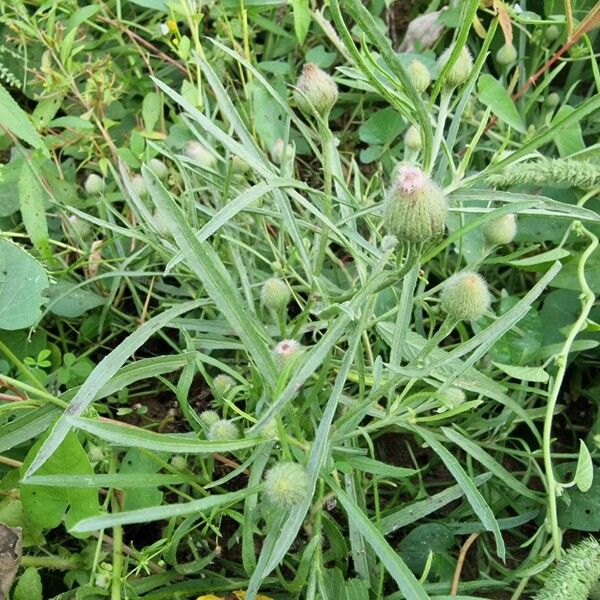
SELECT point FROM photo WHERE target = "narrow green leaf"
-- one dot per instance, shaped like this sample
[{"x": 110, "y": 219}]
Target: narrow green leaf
[
  {"x": 493, "y": 94},
  {"x": 132, "y": 437},
  {"x": 157, "y": 513},
  {"x": 33, "y": 211},
  {"x": 113, "y": 480},
  {"x": 101, "y": 375},
  {"x": 395, "y": 566},
  {"x": 473, "y": 495}
]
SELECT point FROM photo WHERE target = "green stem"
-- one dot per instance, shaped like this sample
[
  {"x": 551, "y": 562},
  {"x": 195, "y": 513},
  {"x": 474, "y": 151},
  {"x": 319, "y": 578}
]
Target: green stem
[
  {"x": 587, "y": 302},
  {"x": 21, "y": 366},
  {"x": 327, "y": 138},
  {"x": 117, "y": 563},
  {"x": 403, "y": 315},
  {"x": 34, "y": 391}
]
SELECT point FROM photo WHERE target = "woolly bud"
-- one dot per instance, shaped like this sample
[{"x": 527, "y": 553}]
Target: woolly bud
[
  {"x": 286, "y": 350},
  {"x": 159, "y": 168},
  {"x": 286, "y": 484},
  {"x": 78, "y": 226},
  {"x": 388, "y": 242},
  {"x": 179, "y": 463},
  {"x": 465, "y": 296},
  {"x": 552, "y": 100},
  {"x": 138, "y": 185},
  {"x": 223, "y": 430},
  {"x": 552, "y": 33},
  {"x": 412, "y": 139},
  {"x": 159, "y": 223},
  {"x": 239, "y": 166},
  {"x": 196, "y": 151},
  {"x": 501, "y": 230},
  {"x": 95, "y": 454},
  {"x": 419, "y": 75},
  {"x": 94, "y": 185},
  {"x": 460, "y": 70},
  {"x": 415, "y": 208},
  {"x": 278, "y": 149},
  {"x": 222, "y": 384},
  {"x": 507, "y": 54},
  {"x": 275, "y": 294},
  {"x": 317, "y": 88},
  {"x": 451, "y": 397},
  {"x": 209, "y": 417},
  {"x": 270, "y": 430}
]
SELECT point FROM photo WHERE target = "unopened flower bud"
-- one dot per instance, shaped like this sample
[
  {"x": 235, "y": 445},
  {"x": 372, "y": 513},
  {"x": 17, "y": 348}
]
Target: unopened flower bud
[
  {"x": 419, "y": 75},
  {"x": 275, "y": 294},
  {"x": 460, "y": 70},
  {"x": 412, "y": 139},
  {"x": 208, "y": 417},
  {"x": 552, "y": 100},
  {"x": 77, "y": 226},
  {"x": 278, "y": 149},
  {"x": 239, "y": 166},
  {"x": 286, "y": 350},
  {"x": 315, "y": 89},
  {"x": 138, "y": 185},
  {"x": 196, "y": 151},
  {"x": 94, "y": 185},
  {"x": 159, "y": 223},
  {"x": 223, "y": 430},
  {"x": 179, "y": 462},
  {"x": 501, "y": 230},
  {"x": 389, "y": 242},
  {"x": 465, "y": 296},
  {"x": 222, "y": 384},
  {"x": 507, "y": 54},
  {"x": 451, "y": 397},
  {"x": 159, "y": 168},
  {"x": 415, "y": 208},
  {"x": 552, "y": 33},
  {"x": 95, "y": 454},
  {"x": 286, "y": 484}
]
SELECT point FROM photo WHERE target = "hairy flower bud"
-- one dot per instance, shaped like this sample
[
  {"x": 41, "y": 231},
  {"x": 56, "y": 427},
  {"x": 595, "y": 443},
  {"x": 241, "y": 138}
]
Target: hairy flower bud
[
  {"x": 222, "y": 384},
  {"x": 275, "y": 294},
  {"x": 500, "y": 231},
  {"x": 208, "y": 417},
  {"x": 507, "y": 54},
  {"x": 460, "y": 70},
  {"x": 465, "y": 296},
  {"x": 286, "y": 484},
  {"x": 317, "y": 88},
  {"x": 139, "y": 187},
  {"x": 159, "y": 168},
  {"x": 419, "y": 75},
  {"x": 179, "y": 462},
  {"x": 552, "y": 100},
  {"x": 552, "y": 33},
  {"x": 239, "y": 166},
  {"x": 286, "y": 350},
  {"x": 77, "y": 226},
  {"x": 451, "y": 397},
  {"x": 412, "y": 139},
  {"x": 415, "y": 208},
  {"x": 278, "y": 149},
  {"x": 196, "y": 151},
  {"x": 94, "y": 185},
  {"x": 223, "y": 430}
]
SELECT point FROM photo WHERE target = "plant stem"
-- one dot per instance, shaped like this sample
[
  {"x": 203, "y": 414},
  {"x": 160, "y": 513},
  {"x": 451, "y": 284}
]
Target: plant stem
[
  {"x": 327, "y": 138},
  {"x": 50, "y": 562},
  {"x": 587, "y": 302},
  {"x": 21, "y": 366},
  {"x": 117, "y": 563},
  {"x": 448, "y": 324}
]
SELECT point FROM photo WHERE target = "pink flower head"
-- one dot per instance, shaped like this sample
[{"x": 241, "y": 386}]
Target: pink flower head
[
  {"x": 286, "y": 349},
  {"x": 409, "y": 179}
]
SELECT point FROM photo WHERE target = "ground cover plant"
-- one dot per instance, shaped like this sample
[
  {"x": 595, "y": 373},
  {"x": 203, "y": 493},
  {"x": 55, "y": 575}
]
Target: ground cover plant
[{"x": 298, "y": 300}]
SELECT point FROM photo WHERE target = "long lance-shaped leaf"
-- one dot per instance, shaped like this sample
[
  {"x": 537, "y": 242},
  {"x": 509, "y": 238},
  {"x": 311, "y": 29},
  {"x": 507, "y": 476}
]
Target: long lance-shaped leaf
[
  {"x": 99, "y": 377},
  {"x": 206, "y": 264}
]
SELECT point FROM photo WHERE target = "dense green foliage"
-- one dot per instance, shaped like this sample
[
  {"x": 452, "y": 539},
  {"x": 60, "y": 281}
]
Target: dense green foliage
[{"x": 285, "y": 310}]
